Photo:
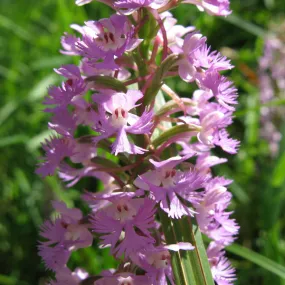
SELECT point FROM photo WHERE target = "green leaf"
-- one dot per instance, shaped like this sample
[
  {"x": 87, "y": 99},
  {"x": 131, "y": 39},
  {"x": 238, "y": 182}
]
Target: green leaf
[
  {"x": 147, "y": 32},
  {"x": 189, "y": 267},
  {"x": 180, "y": 129},
  {"x": 269, "y": 3},
  {"x": 50, "y": 62},
  {"x": 18, "y": 30},
  {"x": 37, "y": 141},
  {"x": 7, "y": 110},
  {"x": 108, "y": 82},
  {"x": 258, "y": 259},
  {"x": 158, "y": 105},
  {"x": 101, "y": 161},
  {"x": 252, "y": 119},
  {"x": 170, "y": 105},
  {"x": 16, "y": 139},
  {"x": 40, "y": 90},
  {"x": 159, "y": 74},
  {"x": 245, "y": 25},
  {"x": 278, "y": 172}
]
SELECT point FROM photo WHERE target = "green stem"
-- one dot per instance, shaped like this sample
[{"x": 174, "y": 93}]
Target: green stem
[{"x": 189, "y": 267}]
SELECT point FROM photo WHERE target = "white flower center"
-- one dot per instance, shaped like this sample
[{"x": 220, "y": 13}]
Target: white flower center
[
  {"x": 107, "y": 41},
  {"x": 125, "y": 281},
  {"x": 160, "y": 259},
  {"x": 119, "y": 118},
  {"x": 168, "y": 178},
  {"x": 124, "y": 211},
  {"x": 73, "y": 232}
]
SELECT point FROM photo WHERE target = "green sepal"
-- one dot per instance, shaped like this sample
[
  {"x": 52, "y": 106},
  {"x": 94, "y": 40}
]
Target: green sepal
[
  {"x": 157, "y": 79},
  {"x": 104, "y": 162},
  {"x": 107, "y": 82},
  {"x": 180, "y": 129},
  {"x": 170, "y": 105}
]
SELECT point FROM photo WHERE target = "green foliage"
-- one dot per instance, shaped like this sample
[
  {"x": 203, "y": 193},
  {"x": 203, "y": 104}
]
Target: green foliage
[
  {"x": 30, "y": 34},
  {"x": 192, "y": 267}
]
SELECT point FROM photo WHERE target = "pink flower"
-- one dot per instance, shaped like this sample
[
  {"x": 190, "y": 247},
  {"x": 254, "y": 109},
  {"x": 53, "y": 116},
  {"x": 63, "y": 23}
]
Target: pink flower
[
  {"x": 102, "y": 41},
  {"x": 124, "y": 278},
  {"x": 129, "y": 6},
  {"x": 56, "y": 149},
  {"x": 212, "y": 7},
  {"x": 221, "y": 88},
  {"x": 156, "y": 261},
  {"x": 196, "y": 58},
  {"x": 63, "y": 235},
  {"x": 222, "y": 270},
  {"x": 124, "y": 225},
  {"x": 174, "y": 32},
  {"x": 210, "y": 130},
  {"x": 212, "y": 218},
  {"x": 64, "y": 276},
  {"x": 173, "y": 189},
  {"x": 187, "y": 65},
  {"x": 116, "y": 118}
]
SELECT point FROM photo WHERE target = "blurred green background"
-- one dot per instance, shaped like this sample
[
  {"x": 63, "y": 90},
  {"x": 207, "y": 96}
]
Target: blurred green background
[{"x": 30, "y": 34}]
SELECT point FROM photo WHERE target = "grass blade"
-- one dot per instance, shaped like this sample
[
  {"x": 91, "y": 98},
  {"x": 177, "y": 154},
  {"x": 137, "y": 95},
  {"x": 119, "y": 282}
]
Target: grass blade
[
  {"x": 258, "y": 259},
  {"x": 189, "y": 267},
  {"x": 245, "y": 25}
]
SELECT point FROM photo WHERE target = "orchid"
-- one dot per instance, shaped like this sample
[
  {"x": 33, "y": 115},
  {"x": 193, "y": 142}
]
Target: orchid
[
  {"x": 212, "y": 7},
  {"x": 132, "y": 217},
  {"x": 62, "y": 236},
  {"x": 149, "y": 148},
  {"x": 116, "y": 118}
]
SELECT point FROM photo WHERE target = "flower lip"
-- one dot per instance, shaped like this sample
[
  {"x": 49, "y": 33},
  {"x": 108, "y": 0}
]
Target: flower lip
[
  {"x": 160, "y": 259},
  {"x": 124, "y": 211},
  {"x": 119, "y": 117}
]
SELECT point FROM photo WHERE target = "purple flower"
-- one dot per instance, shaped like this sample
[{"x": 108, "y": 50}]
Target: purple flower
[
  {"x": 56, "y": 149},
  {"x": 122, "y": 74},
  {"x": 129, "y": 6},
  {"x": 61, "y": 236},
  {"x": 60, "y": 98},
  {"x": 102, "y": 41},
  {"x": 221, "y": 88},
  {"x": 124, "y": 278},
  {"x": 174, "y": 32},
  {"x": 123, "y": 215},
  {"x": 68, "y": 44},
  {"x": 226, "y": 143},
  {"x": 115, "y": 118},
  {"x": 173, "y": 189},
  {"x": 124, "y": 225},
  {"x": 156, "y": 261},
  {"x": 187, "y": 67},
  {"x": 205, "y": 161},
  {"x": 211, "y": 215},
  {"x": 196, "y": 58},
  {"x": 55, "y": 258},
  {"x": 222, "y": 270},
  {"x": 212, "y": 7},
  {"x": 64, "y": 276},
  {"x": 210, "y": 130}
]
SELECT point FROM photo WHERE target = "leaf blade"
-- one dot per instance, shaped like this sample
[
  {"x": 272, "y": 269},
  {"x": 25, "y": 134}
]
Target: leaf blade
[{"x": 257, "y": 259}]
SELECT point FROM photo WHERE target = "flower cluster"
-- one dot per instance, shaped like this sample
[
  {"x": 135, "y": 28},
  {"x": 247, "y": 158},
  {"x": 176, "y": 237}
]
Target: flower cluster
[
  {"x": 162, "y": 144},
  {"x": 272, "y": 87}
]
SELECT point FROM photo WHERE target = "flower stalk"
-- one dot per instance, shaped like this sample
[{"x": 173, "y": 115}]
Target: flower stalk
[{"x": 150, "y": 148}]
